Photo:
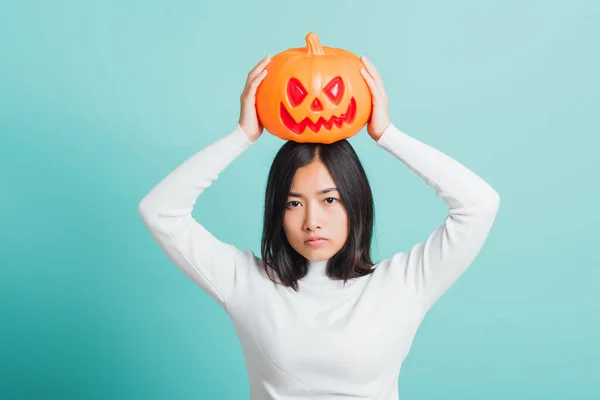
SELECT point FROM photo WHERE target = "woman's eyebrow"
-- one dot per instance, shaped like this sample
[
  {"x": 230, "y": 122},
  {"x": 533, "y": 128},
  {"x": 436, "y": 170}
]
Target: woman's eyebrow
[{"x": 293, "y": 194}]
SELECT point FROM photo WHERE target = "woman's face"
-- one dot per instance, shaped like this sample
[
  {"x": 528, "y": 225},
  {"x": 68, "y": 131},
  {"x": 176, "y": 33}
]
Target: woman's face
[{"x": 314, "y": 208}]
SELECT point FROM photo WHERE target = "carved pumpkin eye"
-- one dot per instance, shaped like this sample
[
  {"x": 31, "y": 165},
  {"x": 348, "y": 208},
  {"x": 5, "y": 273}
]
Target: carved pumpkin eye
[
  {"x": 296, "y": 92},
  {"x": 335, "y": 89}
]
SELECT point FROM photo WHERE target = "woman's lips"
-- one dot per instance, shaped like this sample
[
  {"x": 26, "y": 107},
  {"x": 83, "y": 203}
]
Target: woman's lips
[{"x": 316, "y": 243}]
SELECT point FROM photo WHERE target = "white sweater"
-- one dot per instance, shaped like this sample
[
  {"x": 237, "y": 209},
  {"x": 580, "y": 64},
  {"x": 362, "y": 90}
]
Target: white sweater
[{"x": 326, "y": 341}]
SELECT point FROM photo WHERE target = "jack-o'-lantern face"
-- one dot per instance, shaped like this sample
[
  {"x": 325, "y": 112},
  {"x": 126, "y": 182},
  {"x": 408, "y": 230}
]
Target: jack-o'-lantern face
[
  {"x": 312, "y": 108},
  {"x": 317, "y": 95}
]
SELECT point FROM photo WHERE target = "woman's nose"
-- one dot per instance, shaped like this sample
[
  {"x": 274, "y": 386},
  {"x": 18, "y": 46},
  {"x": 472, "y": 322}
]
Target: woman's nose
[{"x": 312, "y": 219}]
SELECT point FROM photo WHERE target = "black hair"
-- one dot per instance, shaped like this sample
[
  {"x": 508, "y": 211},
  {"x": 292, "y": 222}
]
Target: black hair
[{"x": 354, "y": 258}]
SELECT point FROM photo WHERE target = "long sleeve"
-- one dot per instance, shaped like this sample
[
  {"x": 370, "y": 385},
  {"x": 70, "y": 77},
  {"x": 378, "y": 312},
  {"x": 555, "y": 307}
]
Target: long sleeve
[
  {"x": 167, "y": 213},
  {"x": 432, "y": 266}
]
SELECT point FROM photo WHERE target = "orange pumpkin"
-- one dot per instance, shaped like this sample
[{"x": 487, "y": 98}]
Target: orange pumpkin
[{"x": 313, "y": 94}]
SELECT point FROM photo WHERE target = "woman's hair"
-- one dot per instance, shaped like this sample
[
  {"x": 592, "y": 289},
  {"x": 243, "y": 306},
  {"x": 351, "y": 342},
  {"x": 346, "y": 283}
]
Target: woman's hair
[{"x": 354, "y": 258}]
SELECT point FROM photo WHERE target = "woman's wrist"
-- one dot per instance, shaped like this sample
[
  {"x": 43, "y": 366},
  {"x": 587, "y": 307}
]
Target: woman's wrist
[{"x": 250, "y": 137}]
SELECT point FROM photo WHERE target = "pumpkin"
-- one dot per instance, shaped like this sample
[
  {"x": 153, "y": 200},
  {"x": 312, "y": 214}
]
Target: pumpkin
[{"x": 313, "y": 94}]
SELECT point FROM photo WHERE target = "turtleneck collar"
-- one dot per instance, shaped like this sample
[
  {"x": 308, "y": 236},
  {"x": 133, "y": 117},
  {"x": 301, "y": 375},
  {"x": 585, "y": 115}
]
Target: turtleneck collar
[
  {"x": 316, "y": 270},
  {"x": 316, "y": 277}
]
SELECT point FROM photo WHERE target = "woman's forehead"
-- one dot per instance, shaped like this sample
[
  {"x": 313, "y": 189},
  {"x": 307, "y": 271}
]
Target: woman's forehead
[{"x": 312, "y": 179}]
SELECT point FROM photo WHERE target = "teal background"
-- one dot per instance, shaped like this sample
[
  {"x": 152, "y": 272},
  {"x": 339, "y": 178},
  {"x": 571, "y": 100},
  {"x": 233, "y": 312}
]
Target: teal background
[{"x": 100, "y": 100}]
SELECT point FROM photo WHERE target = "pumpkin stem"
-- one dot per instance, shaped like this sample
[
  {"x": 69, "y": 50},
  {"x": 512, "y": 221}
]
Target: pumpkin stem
[{"x": 313, "y": 44}]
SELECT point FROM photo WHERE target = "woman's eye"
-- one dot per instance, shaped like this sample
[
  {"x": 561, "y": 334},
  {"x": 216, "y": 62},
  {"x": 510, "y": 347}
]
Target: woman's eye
[{"x": 329, "y": 200}]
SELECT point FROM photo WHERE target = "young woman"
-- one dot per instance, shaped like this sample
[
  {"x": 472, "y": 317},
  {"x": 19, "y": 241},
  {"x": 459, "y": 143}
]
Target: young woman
[{"x": 315, "y": 316}]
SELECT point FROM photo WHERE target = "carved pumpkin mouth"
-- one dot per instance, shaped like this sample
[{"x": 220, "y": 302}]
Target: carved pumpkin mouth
[{"x": 299, "y": 127}]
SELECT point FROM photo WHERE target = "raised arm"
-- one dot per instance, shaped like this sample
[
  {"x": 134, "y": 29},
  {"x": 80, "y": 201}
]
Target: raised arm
[
  {"x": 167, "y": 208},
  {"x": 432, "y": 266},
  {"x": 167, "y": 213}
]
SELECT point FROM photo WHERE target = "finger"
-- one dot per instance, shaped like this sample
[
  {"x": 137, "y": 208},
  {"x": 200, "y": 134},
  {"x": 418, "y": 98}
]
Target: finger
[
  {"x": 250, "y": 92},
  {"x": 261, "y": 61},
  {"x": 256, "y": 81},
  {"x": 370, "y": 67},
  {"x": 258, "y": 68},
  {"x": 374, "y": 73},
  {"x": 373, "y": 87}
]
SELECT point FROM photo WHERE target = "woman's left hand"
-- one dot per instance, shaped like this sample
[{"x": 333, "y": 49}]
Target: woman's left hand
[{"x": 380, "y": 117}]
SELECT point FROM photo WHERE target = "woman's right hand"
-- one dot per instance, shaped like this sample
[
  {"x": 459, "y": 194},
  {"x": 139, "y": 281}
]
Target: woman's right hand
[{"x": 248, "y": 117}]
